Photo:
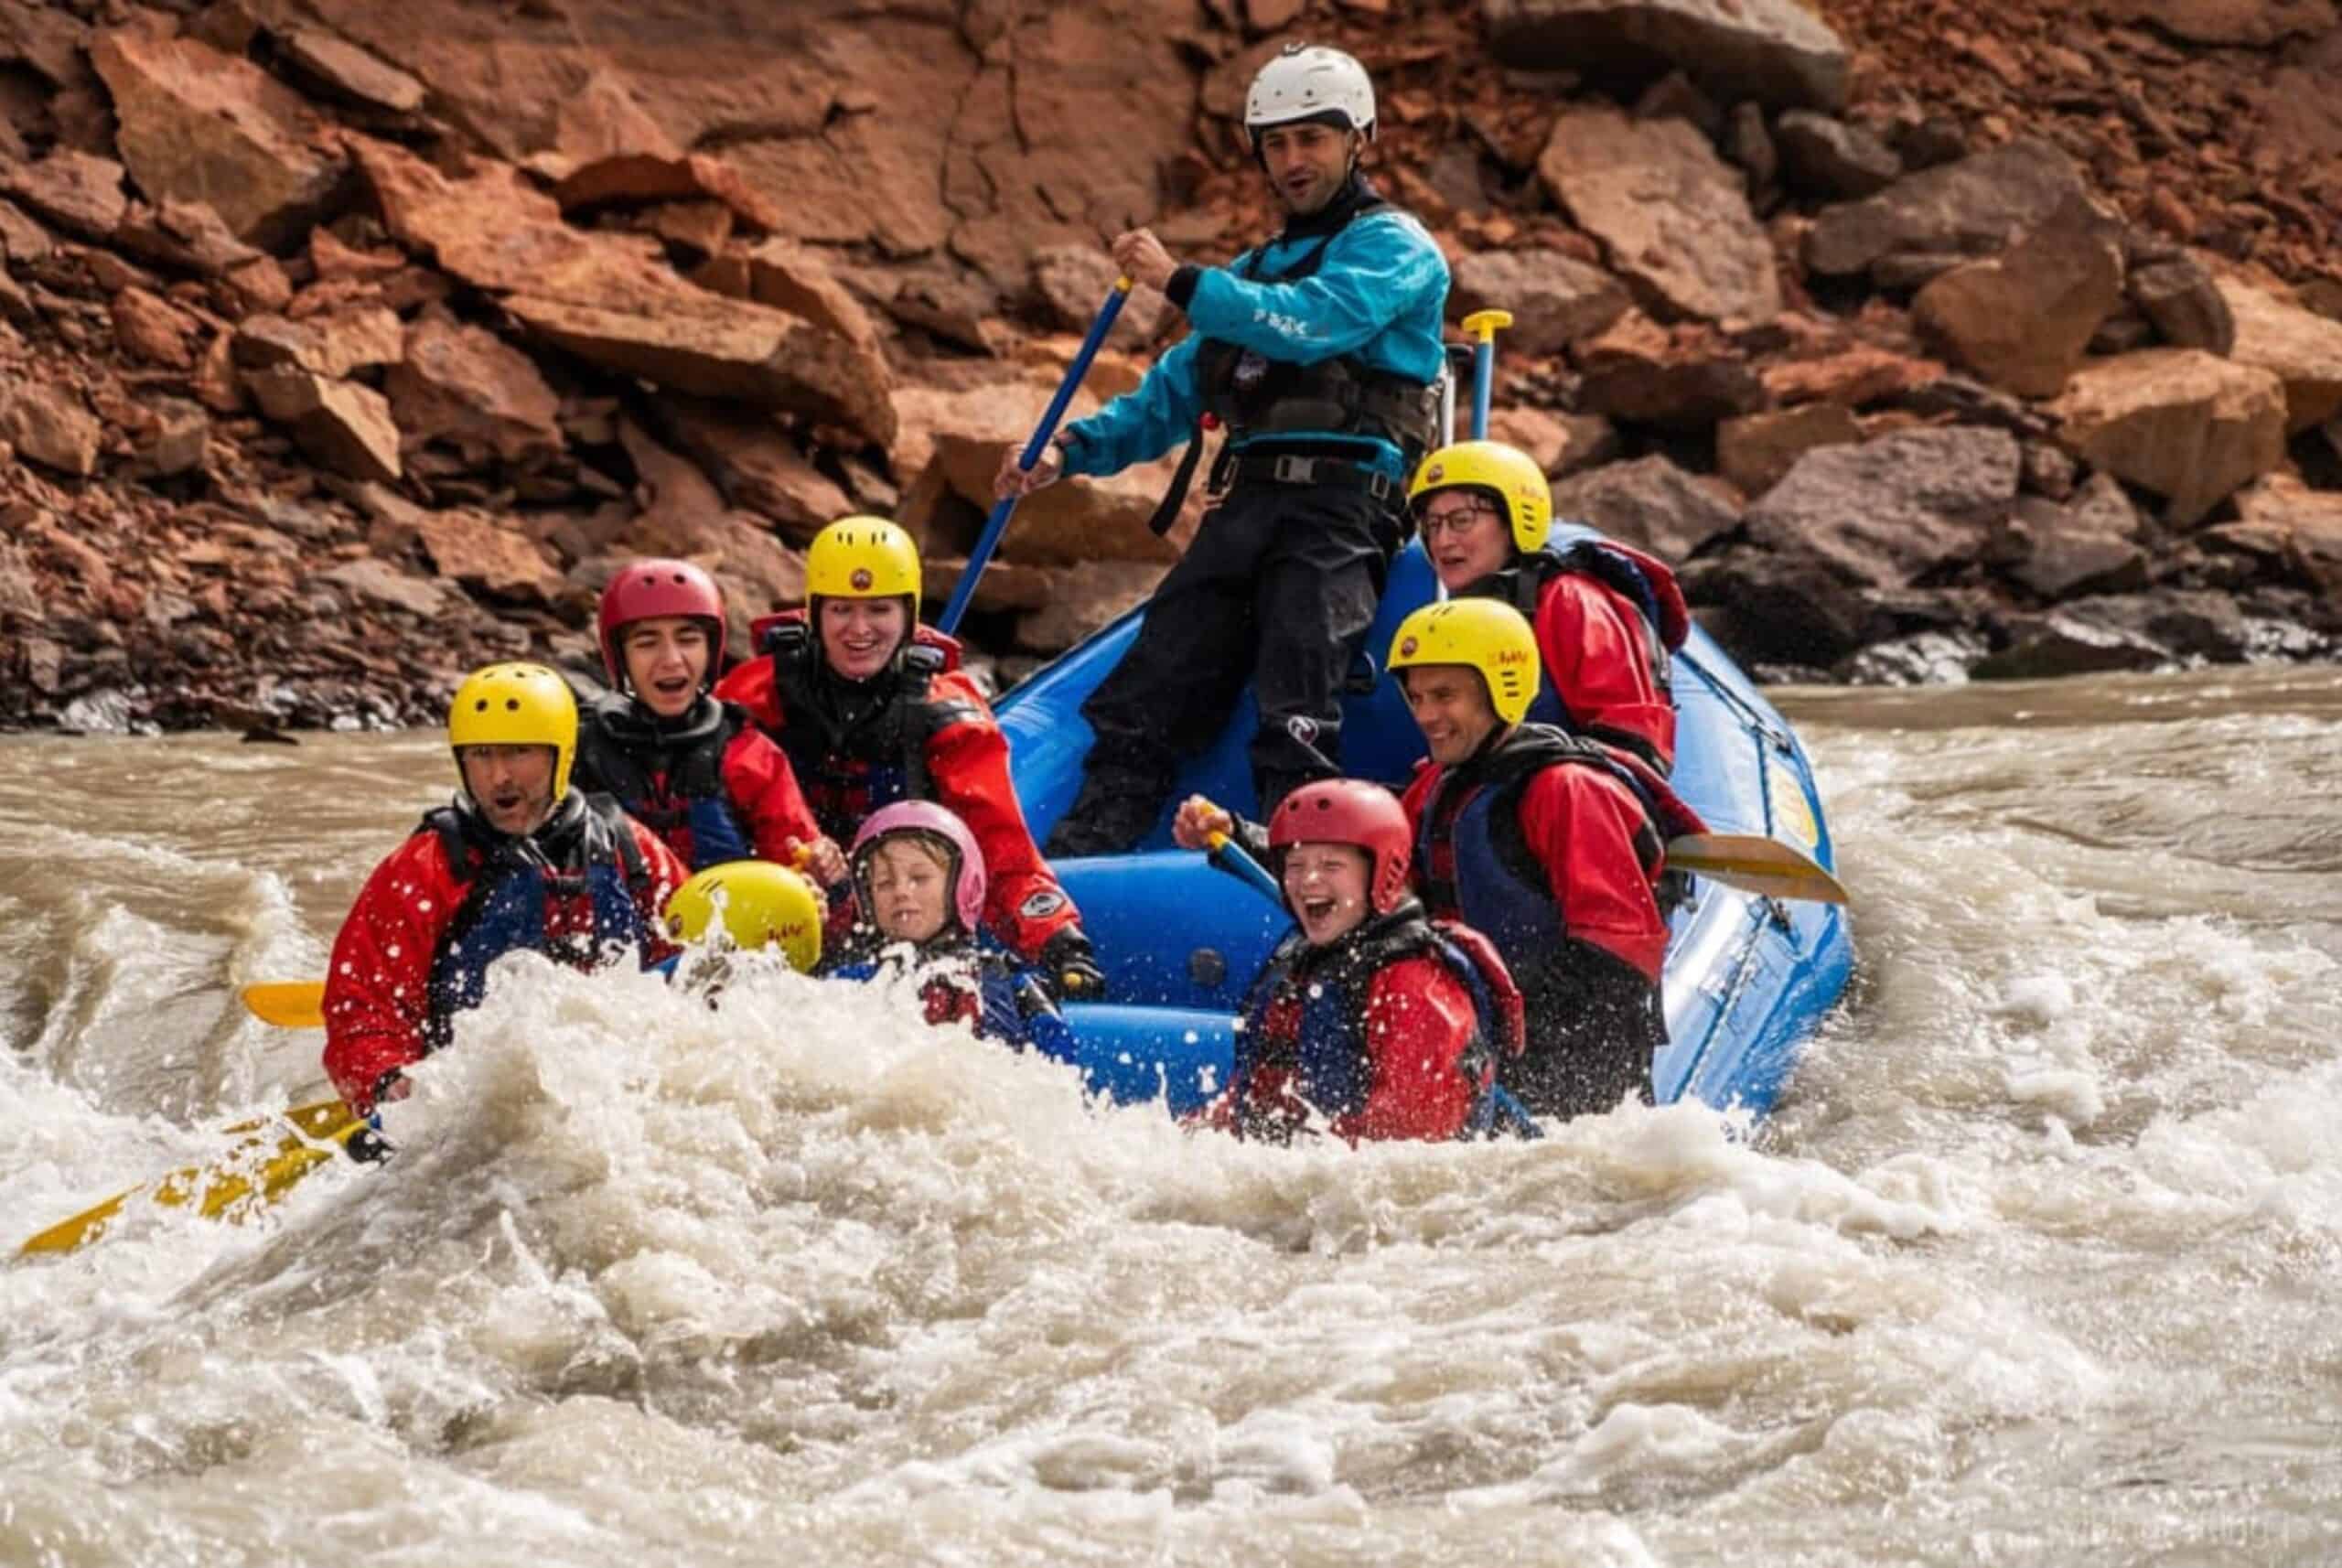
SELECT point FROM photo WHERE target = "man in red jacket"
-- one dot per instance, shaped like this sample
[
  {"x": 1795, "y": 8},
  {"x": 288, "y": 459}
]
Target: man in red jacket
[
  {"x": 1551, "y": 844},
  {"x": 694, "y": 770},
  {"x": 521, "y": 859},
  {"x": 1370, "y": 1014},
  {"x": 871, "y": 708},
  {"x": 1607, "y": 614}
]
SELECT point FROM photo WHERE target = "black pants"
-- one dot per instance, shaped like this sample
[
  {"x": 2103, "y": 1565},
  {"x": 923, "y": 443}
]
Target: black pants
[
  {"x": 1280, "y": 585},
  {"x": 1594, "y": 1024}
]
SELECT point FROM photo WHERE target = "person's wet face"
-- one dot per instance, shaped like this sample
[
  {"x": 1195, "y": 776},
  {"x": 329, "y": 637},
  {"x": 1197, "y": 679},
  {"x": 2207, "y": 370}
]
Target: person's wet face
[
  {"x": 1308, "y": 165},
  {"x": 859, "y": 635},
  {"x": 1450, "y": 703},
  {"x": 666, "y": 662},
  {"x": 905, "y": 877},
  {"x": 1465, "y": 535},
  {"x": 511, "y": 785},
  {"x": 1326, "y": 889}
]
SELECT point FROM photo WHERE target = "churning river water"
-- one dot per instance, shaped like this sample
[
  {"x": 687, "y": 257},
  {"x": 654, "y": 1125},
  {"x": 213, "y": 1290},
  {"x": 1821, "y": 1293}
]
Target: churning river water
[{"x": 2039, "y": 1261}]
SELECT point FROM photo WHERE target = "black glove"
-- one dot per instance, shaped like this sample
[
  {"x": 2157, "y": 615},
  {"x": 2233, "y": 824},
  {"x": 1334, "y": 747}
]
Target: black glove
[
  {"x": 366, "y": 1144},
  {"x": 1069, "y": 967}
]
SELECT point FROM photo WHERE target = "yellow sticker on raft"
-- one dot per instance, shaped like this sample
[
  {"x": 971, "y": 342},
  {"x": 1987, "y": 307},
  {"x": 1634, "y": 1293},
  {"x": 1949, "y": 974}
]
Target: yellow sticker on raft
[{"x": 1793, "y": 816}]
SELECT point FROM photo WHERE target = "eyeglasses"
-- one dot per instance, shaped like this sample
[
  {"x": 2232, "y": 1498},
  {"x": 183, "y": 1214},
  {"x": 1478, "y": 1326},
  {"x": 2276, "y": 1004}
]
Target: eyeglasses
[{"x": 1456, "y": 519}]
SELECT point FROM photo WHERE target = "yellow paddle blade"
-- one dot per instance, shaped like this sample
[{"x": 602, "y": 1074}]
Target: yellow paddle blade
[
  {"x": 1756, "y": 864},
  {"x": 288, "y": 1003},
  {"x": 244, "y": 1181}
]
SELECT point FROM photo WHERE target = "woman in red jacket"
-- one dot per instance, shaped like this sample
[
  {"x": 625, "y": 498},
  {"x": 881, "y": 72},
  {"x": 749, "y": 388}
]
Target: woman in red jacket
[
  {"x": 1606, "y": 616},
  {"x": 694, "y": 770},
  {"x": 1369, "y": 1019},
  {"x": 519, "y": 860},
  {"x": 871, "y": 708}
]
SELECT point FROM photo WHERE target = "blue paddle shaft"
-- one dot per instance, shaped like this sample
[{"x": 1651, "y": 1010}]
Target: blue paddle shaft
[
  {"x": 996, "y": 524},
  {"x": 1484, "y": 385},
  {"x": 1231, "y": 857}
]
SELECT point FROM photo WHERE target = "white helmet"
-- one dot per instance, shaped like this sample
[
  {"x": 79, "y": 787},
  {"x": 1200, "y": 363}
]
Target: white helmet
[{"x": 1302, "y": 82}]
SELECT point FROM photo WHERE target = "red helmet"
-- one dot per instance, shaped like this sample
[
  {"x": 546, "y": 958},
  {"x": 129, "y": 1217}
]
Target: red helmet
[
  {"x": 1351, "y": 811},
  {"x": 643, "y": 589}
]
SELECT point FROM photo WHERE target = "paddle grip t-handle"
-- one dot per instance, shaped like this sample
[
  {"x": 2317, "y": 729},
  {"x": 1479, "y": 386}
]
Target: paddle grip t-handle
[
  {"x": 997, "y": 523},
  {"x": 1483, "y": 326}
]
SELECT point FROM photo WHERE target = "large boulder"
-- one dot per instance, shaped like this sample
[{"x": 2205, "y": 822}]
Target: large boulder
[
  {"x": 343, "y": 425},
  {"x": 1071, "y": 282},
  {"x": 1687, "y": 377},
  {"x": 1555, "y": 299},
  {"x": 1649, "y": 502},
  {"x": 793, "y": 277},
  {"x": 765, "y": 358},
  {"x": 951, "y": 444},
  {"x": 1775, "y": 51},
  {"x": 484, "y": 554},
  {"x": 199, "y": 126},
  {"x": 908, "y": 129},
  {"x": 1756, "y": 451},
  {"x": 47, "y": 421},
  {"x": 2303, "y": 525},
  {"x": 1673, "y": 216},
  {"x": 1083, "y": 597},
  {"x": 609, "y": 300},
  {"x": 1971, "y": 208},
  {"x": 1831, "y": 158},
  {"x": 2301, "y": 347},
  {"x": 2183, "y": 302},
  {"x": 349, "y": 72},
  {"x": 2023, "y": 319},
  {"x": 641, "y": 178},
  {"x": 466, "y": 386},
  {"x": 1557, "y": 444},
  {"x": 2090, "y": 544},
  {"x": 682, "y": 514},
  {"x": 331, "y": 345},
  {"x": 75, "y": 190},
  {"x": 2188, "y": 425},
  {"x": 1890, "y": 511},
  {"x": 754, "y": 466}
]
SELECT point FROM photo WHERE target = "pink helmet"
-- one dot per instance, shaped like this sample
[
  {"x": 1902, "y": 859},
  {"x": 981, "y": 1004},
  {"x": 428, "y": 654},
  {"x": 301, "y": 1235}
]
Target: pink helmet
[
  {"x": 926, "y": 818},
  {"x": 659, "y": 587},
  {"x": 1351, "y": 811}
]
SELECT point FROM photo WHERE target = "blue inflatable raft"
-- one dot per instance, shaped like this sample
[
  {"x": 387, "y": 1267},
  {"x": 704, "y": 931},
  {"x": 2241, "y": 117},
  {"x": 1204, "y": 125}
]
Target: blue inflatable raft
[{"x": 1748, "y": 977}]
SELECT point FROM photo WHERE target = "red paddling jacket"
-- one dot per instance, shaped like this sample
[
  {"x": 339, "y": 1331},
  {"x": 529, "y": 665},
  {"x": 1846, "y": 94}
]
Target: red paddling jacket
[
  {"x": 1607, "y": 616},
  {"x": 918, "y": 732},
  {"x": 1554, "y": 847},
  {"x": 584, "y": 890},
  {"x": 1393, "y": 1030}
]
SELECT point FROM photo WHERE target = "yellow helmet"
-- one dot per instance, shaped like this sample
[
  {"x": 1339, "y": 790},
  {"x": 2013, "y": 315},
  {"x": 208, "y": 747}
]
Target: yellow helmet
[
  {"x": 516, "y": 704},
  {"x": 761, "y": 903},
  {"x": 1486, "y": 634},
  {"x": 1510, "y": 475},
  {"x": 862, "y": 558}
]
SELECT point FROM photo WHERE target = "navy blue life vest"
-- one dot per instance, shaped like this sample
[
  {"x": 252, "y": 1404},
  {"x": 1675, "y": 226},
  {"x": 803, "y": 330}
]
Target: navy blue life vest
[
  {"x": 1003, "y": 999},
  {"x": 1473, "y": 861},
  {"x": 856, "y": 745},
  {"x": 668, "y": 776},
  {"x": 1322, "y": 1042},
  {"x": 586, "y": 848}
]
